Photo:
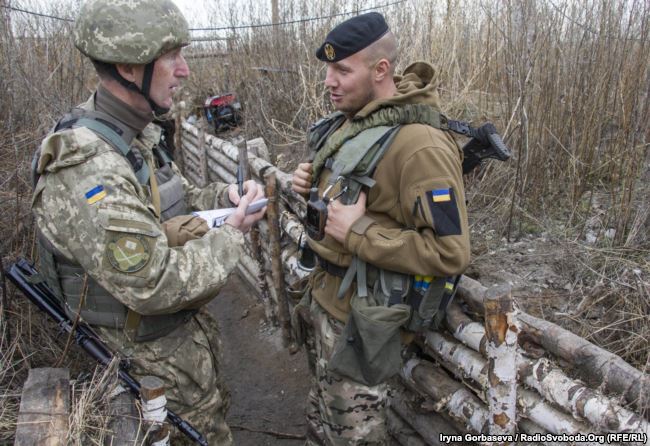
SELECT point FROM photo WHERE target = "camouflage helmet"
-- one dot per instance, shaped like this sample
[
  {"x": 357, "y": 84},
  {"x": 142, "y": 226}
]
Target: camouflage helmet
[{"x": 133, "y": 31}]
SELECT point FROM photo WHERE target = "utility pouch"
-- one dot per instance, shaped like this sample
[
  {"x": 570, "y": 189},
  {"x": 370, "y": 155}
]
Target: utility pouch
[
  {"x": 368, "y": 350},
  {"x": 426, "y": 305},
  {"x": 300, "y": 316}
]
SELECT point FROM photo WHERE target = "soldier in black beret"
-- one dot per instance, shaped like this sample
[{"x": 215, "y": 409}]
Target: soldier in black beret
[{"x": 404, "y": 220}]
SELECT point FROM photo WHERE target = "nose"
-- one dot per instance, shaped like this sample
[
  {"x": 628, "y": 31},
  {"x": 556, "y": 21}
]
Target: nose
[
  {"x": 182, "y": 70},
  {"x": 330, "y": 77}
]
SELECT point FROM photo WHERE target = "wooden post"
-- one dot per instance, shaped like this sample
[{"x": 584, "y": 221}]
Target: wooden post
[
  {"x": 256, "y": 241},
  {"x": 44, "y": 408},
  {"x": 152, "y": 393},
  {"x": 501, "y": 333},
  {"x": 203, "y": 158},
  {"x": 273, "y": 220}
]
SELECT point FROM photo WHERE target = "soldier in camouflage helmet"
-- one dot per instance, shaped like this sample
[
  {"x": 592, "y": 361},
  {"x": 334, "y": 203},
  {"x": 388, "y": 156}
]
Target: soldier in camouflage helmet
[{"x": 116, "y": 240}]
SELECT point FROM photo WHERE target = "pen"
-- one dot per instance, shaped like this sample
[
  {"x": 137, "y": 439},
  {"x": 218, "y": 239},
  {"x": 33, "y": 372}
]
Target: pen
[{"x": 240, "y": 181}]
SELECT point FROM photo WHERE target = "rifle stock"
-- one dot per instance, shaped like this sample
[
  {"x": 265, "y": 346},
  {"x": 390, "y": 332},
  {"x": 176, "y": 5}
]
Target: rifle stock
[{"x": 22, "y": 274}]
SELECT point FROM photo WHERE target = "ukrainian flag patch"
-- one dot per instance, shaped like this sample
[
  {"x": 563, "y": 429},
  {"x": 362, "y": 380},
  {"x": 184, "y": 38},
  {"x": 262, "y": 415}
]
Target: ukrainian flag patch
[
  {"x": 440, "y": 195},
  {"x": 95, "y": 194}
]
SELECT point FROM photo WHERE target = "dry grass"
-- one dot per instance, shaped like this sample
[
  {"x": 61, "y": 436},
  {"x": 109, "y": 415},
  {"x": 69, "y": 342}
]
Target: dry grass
[{"x": 566, "y": 82}]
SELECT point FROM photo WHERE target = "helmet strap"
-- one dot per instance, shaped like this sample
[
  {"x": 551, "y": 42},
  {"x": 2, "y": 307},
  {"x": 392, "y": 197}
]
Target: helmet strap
[{"x": 146, "y": 86}]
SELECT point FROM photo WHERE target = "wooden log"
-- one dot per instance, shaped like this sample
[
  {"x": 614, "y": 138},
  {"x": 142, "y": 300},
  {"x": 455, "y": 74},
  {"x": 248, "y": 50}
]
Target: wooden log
[
  {"x": 44, "y": 408},
  {"x": 203, "y": 158},
  {"x": 550, "y": 382},
  {"x": 188, "y": 150},
  {"x": 222, "y": 174},
  {"x": 258, "y": 148},
  {"x": 501, "y": 332},
  {"x": 596, "y": 366},
  {"x": 464, "y": 329},
  {"x": 273, "y": 220},
  {"x": 426, "y": 422},
  {"x": 403, "y": 434},
  {"x": 124, "y": 427},
  {"x": 192, "y": 141},
  {"x": 261, "y": 284},
  {"x": 222, "y": 160},
  {"x": 581, "y": 401},
  {"x": 292, "y": 226},
  {"x": 449, "y": 395},
  {"x": 471, "y": 364}
]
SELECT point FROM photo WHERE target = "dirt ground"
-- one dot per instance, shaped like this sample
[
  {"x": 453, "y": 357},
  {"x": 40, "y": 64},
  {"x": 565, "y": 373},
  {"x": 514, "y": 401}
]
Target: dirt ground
[{"x": 268, "y": 385}]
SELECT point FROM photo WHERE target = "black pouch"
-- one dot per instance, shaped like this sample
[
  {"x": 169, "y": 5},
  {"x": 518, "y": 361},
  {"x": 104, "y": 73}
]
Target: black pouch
[{"x": 425, "y": 305}]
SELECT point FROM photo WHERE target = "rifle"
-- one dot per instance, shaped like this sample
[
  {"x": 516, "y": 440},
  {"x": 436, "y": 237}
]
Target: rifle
[
  {"x": 485, "y": 143},
  {"x": 24, "y": 276}
]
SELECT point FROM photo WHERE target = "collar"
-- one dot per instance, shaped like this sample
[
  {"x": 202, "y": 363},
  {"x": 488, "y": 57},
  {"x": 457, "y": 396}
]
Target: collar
[{"x": 133, "y": 121}]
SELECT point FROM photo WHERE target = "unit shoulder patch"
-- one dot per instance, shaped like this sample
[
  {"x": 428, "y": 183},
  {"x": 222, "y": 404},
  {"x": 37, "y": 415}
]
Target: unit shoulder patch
[
  {"x": 444, "y": 211},
  {"x": 128, "y": 253}
]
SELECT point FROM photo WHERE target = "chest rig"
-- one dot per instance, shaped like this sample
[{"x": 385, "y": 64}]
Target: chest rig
[
  {"x": 81, "y": 293},
  {"x": 352, "y": 154}
]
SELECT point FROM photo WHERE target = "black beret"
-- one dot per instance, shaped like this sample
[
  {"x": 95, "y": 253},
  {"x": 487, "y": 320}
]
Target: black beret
[{"x": 352, "y": 36}]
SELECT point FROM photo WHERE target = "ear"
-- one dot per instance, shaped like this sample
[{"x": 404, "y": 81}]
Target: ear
[
  {"x": 127, "y": 71},
  {"x": 382, "y": 70}
]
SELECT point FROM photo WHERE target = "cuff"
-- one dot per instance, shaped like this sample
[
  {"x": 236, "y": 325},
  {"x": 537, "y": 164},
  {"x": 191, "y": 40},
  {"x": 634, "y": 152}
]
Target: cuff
[{"x": 222, "y": 199}]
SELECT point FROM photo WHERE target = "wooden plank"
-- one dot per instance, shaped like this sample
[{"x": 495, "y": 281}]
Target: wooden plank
[
  {"x": 124, "y": 427},
  {"x": 44, "y": 408}
]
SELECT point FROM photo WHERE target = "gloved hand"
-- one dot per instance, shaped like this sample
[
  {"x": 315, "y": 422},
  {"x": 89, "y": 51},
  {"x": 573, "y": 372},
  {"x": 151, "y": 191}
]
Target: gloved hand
[{"x": 184, "y": 228}]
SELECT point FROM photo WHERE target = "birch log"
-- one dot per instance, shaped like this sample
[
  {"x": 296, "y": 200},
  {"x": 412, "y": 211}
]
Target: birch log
[
  {"x": 403, "y": 434},
  {"x": 472, "y": 365},
  {"x": 273, "y": 220},
  {"x": 221, "y": 159},
  {"x": 551, "y": 382},
  {"x": 429, "y": 425},
  {"x": 223, "y": 174},
  {"x": 449, "y": 395},
  {"x": 595, "y": 365},
  {"x": 501, "y": 333}
]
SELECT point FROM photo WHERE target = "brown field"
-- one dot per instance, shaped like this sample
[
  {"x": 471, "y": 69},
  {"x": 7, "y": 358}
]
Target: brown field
[{"x": 565, "y": 82}]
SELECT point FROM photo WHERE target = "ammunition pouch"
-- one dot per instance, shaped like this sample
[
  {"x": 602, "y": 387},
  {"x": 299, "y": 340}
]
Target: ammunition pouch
[{"x": 428, "y": 307}]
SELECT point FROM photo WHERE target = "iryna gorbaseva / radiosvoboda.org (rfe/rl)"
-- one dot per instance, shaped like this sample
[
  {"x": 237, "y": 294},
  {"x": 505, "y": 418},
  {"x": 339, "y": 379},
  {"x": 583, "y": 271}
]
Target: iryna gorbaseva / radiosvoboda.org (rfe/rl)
[{"x": 574, "y": 438}]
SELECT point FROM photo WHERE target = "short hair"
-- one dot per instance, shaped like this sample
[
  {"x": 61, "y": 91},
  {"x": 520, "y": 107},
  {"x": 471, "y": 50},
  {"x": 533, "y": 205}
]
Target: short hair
[
  {"x": 384, "y": 48},
  {"x": 104, "y": 69}
]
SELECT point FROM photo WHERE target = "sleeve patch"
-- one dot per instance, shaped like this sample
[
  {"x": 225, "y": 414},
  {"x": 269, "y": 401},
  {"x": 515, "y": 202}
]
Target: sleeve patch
[
  {"x": 95, "y": 194},
  {"x": 128, "y": 253},
  {"x": 444, "y": 211}
]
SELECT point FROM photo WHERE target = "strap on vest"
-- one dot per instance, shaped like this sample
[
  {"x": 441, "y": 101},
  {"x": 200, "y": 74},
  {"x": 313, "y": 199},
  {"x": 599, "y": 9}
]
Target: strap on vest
[
  {"x": 155, "y": 193},
  {"x": 131, "y": 324},
  {"x": 107, "y": 133}
]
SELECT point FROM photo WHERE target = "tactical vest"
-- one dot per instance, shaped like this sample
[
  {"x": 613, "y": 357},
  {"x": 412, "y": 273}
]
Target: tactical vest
[
  {"x": 81, "y": 293},
  {"x": 352, "y": 155}
]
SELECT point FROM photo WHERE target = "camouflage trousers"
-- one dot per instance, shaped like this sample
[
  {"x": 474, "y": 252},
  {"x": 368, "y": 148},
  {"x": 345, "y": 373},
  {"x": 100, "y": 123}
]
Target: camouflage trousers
[
  {"x": 187, "y": 360},
  {"x": 340, "y": 411}
]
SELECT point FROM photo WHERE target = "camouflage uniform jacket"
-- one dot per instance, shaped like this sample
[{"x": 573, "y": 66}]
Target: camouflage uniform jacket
[{"x": 145, "y": 274}]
